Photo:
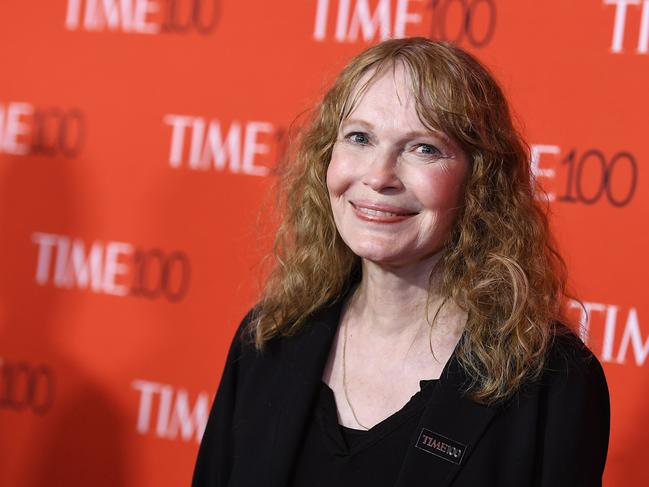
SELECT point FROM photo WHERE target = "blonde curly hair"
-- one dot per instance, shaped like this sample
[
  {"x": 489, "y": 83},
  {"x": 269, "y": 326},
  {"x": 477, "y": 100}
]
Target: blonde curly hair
[{"x": 500, "y": 263}]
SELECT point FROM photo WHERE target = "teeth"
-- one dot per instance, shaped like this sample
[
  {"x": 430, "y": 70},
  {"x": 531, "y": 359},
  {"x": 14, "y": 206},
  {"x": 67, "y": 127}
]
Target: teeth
[{"x": 369, "y": 211}]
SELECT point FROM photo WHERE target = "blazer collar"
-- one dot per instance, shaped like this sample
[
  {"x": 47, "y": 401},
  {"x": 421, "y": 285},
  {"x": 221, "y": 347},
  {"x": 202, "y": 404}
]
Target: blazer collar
[
  {"x": 302, "y": 367},
  {"x": 447, "y": 433}
]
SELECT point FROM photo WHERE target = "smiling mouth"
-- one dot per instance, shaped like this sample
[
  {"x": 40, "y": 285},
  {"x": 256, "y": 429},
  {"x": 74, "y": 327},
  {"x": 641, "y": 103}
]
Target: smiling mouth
[
  {"x": 381, "y": 215},
  {"x": 373, "y": 212},
  {"x": 370, "y": 211}
]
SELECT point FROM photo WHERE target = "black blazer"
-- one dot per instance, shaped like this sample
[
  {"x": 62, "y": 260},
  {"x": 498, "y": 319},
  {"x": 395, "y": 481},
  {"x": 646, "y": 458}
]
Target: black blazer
[{"x": 553, "y": 433}]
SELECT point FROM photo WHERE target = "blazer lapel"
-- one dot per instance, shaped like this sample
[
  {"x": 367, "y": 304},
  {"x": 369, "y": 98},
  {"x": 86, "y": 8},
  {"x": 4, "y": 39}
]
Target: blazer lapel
[
  {"x": 300, "y": 374},
  {"x": 447, "y": 433}
]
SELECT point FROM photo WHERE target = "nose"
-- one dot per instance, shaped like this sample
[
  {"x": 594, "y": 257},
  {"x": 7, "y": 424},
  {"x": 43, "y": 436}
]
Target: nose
[{"x": 381, "y": 173}]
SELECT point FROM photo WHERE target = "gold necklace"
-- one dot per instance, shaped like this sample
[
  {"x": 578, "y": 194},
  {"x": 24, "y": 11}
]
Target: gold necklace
[
  {"x": 345, "y": 379},
  {"x": 430, "y": 334}
]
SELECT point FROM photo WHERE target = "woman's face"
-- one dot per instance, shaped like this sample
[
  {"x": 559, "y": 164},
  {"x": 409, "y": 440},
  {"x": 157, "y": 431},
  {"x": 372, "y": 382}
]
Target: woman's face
[{"x": 394, "y": 185}]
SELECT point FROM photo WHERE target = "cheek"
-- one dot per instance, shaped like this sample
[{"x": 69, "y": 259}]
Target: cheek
[
  {"x": 338, "y": 175},
  {"x": 441, "y": 188},
  {"x": 336, "y": 186}
]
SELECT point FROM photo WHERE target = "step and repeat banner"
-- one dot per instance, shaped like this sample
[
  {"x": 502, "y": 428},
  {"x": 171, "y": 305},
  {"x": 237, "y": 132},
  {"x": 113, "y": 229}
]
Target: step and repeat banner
[{"x": 137, "y": 141}]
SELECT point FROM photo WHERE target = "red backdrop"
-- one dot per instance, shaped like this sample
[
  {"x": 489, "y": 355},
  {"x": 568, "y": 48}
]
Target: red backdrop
[{"x": 135, "y": 142}]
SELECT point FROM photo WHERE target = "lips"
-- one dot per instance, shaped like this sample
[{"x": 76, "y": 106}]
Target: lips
[
  {"x": 381, "y": 213},
  {"x": 381, "y": 209}
]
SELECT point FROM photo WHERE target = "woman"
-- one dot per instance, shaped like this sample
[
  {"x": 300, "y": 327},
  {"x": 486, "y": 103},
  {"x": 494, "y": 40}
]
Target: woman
[{"x": 411, "y": 331}]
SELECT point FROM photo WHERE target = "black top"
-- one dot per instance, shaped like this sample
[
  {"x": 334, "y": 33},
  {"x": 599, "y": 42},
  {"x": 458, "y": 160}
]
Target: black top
[
  {"x": 552, "y": 433},
  {"x": 334, "y": 455}
]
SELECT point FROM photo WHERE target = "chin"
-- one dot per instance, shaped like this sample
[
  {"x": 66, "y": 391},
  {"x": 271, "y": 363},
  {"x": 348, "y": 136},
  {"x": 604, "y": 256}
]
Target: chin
[
  {"x": 387, "y": 257},
  {"x": 380, "y": 256}
]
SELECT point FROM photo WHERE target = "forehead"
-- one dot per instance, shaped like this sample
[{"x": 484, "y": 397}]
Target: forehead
[{"x": 384, "y": 98}]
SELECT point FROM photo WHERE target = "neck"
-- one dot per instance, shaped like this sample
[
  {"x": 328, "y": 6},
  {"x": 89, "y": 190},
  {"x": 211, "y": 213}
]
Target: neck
[{"x": 393, "y": 301}]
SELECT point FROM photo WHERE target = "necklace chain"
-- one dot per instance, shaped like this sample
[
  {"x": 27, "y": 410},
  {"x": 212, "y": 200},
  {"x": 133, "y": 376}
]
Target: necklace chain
[
  {"x": 430, "y": 333},
  {"x": 345, "y": 379}
]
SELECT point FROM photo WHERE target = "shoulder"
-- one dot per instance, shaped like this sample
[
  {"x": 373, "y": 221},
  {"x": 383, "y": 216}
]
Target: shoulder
[
  {"x": 242, "y": 347},
  {"x": 567, "y": 352},
  {"x": 244, "y": 356},
  {"x": 572, "y": 371}
]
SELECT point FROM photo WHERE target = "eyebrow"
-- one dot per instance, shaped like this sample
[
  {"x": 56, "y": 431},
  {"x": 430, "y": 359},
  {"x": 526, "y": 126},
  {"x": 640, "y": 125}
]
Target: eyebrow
[{"x": 411, "y": 134}]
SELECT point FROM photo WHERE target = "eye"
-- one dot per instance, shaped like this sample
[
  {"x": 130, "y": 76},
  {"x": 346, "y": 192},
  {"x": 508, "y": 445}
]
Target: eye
[
  {"x": 427, "y": 150},
  {"x": 358, "y": 138}
]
